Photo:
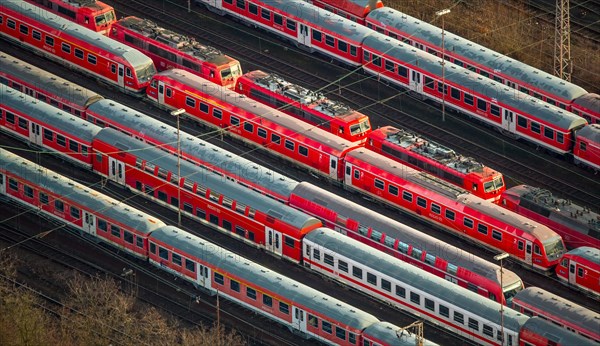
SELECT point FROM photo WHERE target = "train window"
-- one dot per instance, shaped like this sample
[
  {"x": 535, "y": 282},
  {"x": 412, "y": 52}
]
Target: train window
[
  {"x": 228, "y": 1},
  {"x": 429, "y": 83},
  {"x": 548, "y": 133},
  {"x": 277, "y": 19},
  {"x": 23, "y": 29},
  {"x": 28, "y": 191},
  {"x": 303, "y": 150},
  {"x": 580, "y": 272},
  {"x": 188, "y": 208},
  {"x": 43, "y": 198},
  {"x": 366, "y": 56},
  {"x": 252, "y": 8},
  {"x": 78, "y": 53},
  {"x": 429, "y": 304},
  {"x": 357, "y": 272},
  {"x": 74, "y": 146},
  {"x": 10, "y": 118},
  {"x": 235, "y": 286},
  {"x": 582, "y": 146},
  {"x": 473, "y": 324},
  {"x": 407, "y": 196},
  {"x": 451, "y": 269},
  {"x": 372, "y": 279},
  {"x": 219, "y": 279},
  {"x": 343, "y": 47},
  {"x": 535, "y": 127},
  {"x": 524, "y": 90},
  {"x": 11, "y": 24},
  {"x": 60, "y": 140},
  {"x": 386, "y": 285},
  {"x": 400, "y": 291},
  {"x": 482, "y": 105},
  {"x": 102, "y": 226},
  {"x": 416, "y": 253},
  {"x": 536, "y": 249},
  {"x": 468, "y": 99},
  {"x": 495, "y": 110},
  {"x": 329, "y": 40},
  {"x": 203, "y": 107},
  {"x": 190, "y": 265},
  {"x": 468, "y": 222},
  {"x": 162, "y": 252},
  {"x": 65, "y": 48},
  {"x": 328, "y": 259},
  {"x": 0, "y": 20},
  {"x": 487, "y": 330},
  {"x": 289, "y": 144},
  {"x": 377, "y": 60},
  {"x": 267, "y": 300},
  {"x": 444, "y": 311},
  {"x": 235, "y": 121},
  {"x": 450, "y": 215},
  {"x": 430, "y": 259},
  {"x": 520, "y": 245},
  {"x": 113, "y": 68},
  {"x": 496, "y": 235},
  {"x": 128, "y": 237},
  {"x": 393, "y": 190},
  {"x": 139, "y": 242},
  {"x": 436, "y": 208},
  {"x": 58, "y": 205},
  {"x": 116, "y": 232},
  {"x": 442, "y": 88},
  {"x": 175, "y": 202},
  {"x": 251, "y": 293},
  {"x": 560, "y": 138},
  {"x": 483, "y": 229},
  {"x": 162, "y": 196},
  {"x": 326, "y": 326},
  {"x": 403, "y": 247},
  {"x": 217, "y": 113},
  {"x": 249, "y": 127},
  {"x": 458, "y": 317},
  {"x": 23, "y": 124},
  {"x": 415, "y": 298},
  {"x": 356, "y": 174},
  {"x": 262, "y": 133},
  {"x": 290, "y": 24},
  {"x": 312, "y": 320},
  {"x": 317, "y": 35},
  {"x": 522, "y": 121},
  {"x": 342, "y": 266},
  {"x": 379, "y": 184},
  {"x": 340, "y": 333},
  {"x": 421, "y": 202},
  {"x": 289, "y": 242},
  {"x": 402, "y": 71},
  {"x": 316, "y": 254},
  {"x": 266, "y": 14},
  {"x": 284, "y": 308}
]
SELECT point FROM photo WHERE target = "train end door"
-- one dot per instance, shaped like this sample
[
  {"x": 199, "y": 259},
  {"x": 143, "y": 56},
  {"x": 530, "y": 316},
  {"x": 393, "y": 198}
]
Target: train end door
[
  {"x": 572, "y": 271},
  {"x": 415, "y": 81},
  {"x": 333, "y": 167},
  {"x": 121, "y": 75},
  {"x": 299, "y": 320},
  {"x": 89, "y": 223},
  {"x": 304, "y": 35},
  {"x": 161, "y": 93},
  {"x": 528, "y": 252},
  {"x": 116, "y": 171},
  {"x": 35, "y": 133},
  {"x": 203, "y": 276},
  {"x": 508, "y": 121},
  {"x": 2, "y": 184},
  {"x": 273, "y": 241}
]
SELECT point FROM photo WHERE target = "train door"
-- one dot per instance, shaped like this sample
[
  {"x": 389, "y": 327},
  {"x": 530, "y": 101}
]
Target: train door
[
  {"x": 528, "y": 252},
  {"x": 572, "y": 271},
  {"x": 273, "y": 241},
  {"x": 89, "y": 223},
  {"x": 2, "y": 184},
  {"x": 34, "y": 133},
  {"x": 203, "y": 277},
  {"x": 303, "y": 35},
  {"x": 161, "y": 93},
  {"x": 333, "y": 167},
  {"x": 298, "y": 320},
  {"x": 120, "y": 76},
  {"x": 116, "y": 171},
  {"x": 508, "y": 121},
  {"x": 415, "y": 81}
]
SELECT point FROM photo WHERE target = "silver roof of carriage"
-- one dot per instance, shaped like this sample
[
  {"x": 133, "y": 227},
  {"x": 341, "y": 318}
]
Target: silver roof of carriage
[
  {"x": 191, "y": 145},
  {"x": 268, "y": 281},
  {"x": 591, "y": 132},
  {"x": 194, "y": 174},
  {"x": 414, "y": 278},
  {"x": 559, "y": 335},
  {"x": 47, "y": 81},
  {"x": 48, "y": 114},
  {"x": 73, "y": 192},
  {"x": 458, "y": 75},
  {"x": 65, "y": 27},
  {"x": 386, "y": 333},
  {"x": 587, "y": 252},
  {"x": 477, "y": 53}
]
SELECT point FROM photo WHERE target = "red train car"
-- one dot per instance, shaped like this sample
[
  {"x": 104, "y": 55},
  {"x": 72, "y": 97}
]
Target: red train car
[
  {"x": 422, "y": 154},
  {"x": 81, "y": 49},
  {"x": 580, "y": 268},
  {"x": 586, "y": 151},
  {"x": 588, "y": 107},
  {"x": 309, "y": 106},
  {"x": 577, "y": 225},
  {"x": 452, "y": 208},
  {"x": 355, "y": 10},
  {"x": 537, "y": 332},
  {"x": 243, "y": 118},
  {"x": 169, "y": 50},
  {"x": 92, "y": 14}
]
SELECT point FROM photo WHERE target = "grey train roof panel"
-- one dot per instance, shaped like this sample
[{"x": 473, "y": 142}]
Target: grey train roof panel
[
  {"x": 219, "y": 184},
  {"x": 461, "y": 76},
  {"x": 48, "y": 114},
  {"x": 478, "y": 53},
  {"x": 591, "y": 132},
  {"x": 589, "y": 101},
  {"x": 324, "y": 18},
  {"x": 61, "y": 25},
  {"x": 294, "y": 292},
  {"x": 47, "y": 81},
  {"x": 212, "y": 154},
  {"x": 389, "y": 334},
  {"x": 557, "y": 306},
  {"x": 71, "y": 190},
  {"x": 406, "y": 234},
  {"x": 589, "y": 253},
  {"x": 415, "y": 277},
  {"x": 559, "y": 335}
]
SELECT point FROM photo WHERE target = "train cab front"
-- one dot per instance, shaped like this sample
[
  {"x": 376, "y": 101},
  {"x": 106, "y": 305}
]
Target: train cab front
[
  {"x": 229, "y": 75},
  {"x": 356, "y": 131},
  {"x": 491, "y": 186},
  {"x": 104, "y": 20}
]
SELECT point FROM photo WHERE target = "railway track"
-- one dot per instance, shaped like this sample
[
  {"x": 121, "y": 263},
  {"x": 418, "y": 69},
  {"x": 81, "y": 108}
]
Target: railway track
[{"x": 521, "y": 163}]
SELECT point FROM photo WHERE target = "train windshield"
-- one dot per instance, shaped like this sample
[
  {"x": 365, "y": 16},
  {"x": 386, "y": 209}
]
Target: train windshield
[
  {"x": 512, "y": 290},
  {"x": 232, "y": 72},
  {"x": 361, "y": 127},
  {"x": 145, "y": 73},
  {"x": 554, "y": 248},
  {"x": 105, "y": 18},
  {"x": 494, "y": 184}
]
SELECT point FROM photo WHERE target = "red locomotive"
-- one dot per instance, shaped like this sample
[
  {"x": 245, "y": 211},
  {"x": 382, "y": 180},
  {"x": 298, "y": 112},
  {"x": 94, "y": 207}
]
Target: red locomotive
[
  {"x": 92, "y": 14},
  {"x": 422, "y": 154},
  {"x": 309, "y": 106},
  {"x": 577, "y": 225},
  {"x": 587, "y": 147},
  {"x": 580, "y": 268},
  {"x": 169, "y": 50}
]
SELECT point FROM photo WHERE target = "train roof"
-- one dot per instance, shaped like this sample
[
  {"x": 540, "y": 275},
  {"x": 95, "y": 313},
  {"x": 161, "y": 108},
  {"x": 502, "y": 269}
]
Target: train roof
[
  {"x": 560, "y": 335},
  {"x": 210, "y": 180},
  {"x": 149, "y": 127},
  {"x": 333, "y": 23},
  {"x": 396, "y": 230},
  {"x": 589, "y": 253},
  {"x": 389, "y": 334},
  {"x": 73, "y": 191},
  {"x": 553, "y": 305},
  {"x": 589, "y": 101},
  {"x": 93, "y": 4},
  {"x": 298, "y": 129},
  {"x": 591, "y": 132},
  {"x": 47, "y": 81},
  {"x": 182, "y": 43},
  {"x": 461, "y": 76},
  {"x": 293, "y": 292},
  {"x": 65, "y": 27},
  {"x": 48, "y": 114},
  {"x": 477, "y": 53},
  {"x": 419, "y": 279},
  {"x": 563, "y": 211}
]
